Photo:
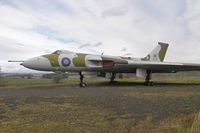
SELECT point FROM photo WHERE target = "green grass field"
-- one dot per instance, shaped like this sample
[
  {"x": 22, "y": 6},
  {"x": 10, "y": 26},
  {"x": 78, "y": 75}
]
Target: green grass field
[
  {"x": 72, "y": 81},
  {"x": 39, "y": 105}
]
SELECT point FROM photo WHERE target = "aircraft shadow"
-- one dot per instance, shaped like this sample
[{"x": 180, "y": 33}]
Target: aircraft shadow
[{"x": 120, "y": 83}]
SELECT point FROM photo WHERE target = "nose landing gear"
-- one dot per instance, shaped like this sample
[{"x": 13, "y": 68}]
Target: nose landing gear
[{"x": 81, "y": 84}]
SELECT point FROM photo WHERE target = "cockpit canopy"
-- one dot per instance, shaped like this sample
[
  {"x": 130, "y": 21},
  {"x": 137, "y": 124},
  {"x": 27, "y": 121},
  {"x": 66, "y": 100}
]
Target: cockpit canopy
[{"x": 62, "y": 52}]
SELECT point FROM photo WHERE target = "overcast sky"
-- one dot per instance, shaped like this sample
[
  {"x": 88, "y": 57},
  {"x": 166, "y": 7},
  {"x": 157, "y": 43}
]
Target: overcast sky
[{"x": 29, "y": 28}]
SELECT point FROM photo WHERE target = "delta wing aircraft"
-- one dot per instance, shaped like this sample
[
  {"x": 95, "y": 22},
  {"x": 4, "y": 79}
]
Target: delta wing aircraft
[{"x": 67, "y": 61}]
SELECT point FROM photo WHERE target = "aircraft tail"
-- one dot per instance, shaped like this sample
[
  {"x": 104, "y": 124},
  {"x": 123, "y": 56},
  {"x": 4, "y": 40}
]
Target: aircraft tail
[{"x": 158, "y": 54}]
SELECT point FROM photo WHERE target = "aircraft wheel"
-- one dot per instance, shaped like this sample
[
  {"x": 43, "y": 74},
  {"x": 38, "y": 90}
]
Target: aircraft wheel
[
  {"x": 82, "y": 84},
  {"x": 149, "y": 84}
]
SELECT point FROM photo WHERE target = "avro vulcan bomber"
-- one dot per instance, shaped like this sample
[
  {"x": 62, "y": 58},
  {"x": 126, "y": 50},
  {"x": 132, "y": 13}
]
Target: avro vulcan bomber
[{"x": 68, "y": 61}]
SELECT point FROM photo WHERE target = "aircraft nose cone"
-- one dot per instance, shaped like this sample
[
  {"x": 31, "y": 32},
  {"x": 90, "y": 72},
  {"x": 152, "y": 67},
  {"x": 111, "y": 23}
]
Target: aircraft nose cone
[{"x": 37, "y": 63}]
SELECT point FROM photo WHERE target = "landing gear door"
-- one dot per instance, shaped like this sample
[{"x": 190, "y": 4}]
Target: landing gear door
[{"x": 141, "y": 72}]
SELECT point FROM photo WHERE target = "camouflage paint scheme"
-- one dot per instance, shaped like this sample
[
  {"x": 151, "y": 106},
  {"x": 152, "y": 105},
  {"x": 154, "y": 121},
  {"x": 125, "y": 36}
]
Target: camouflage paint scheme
[
  {"x": 53, "y": 58},
  {"x": 79, "y": 61},
  {"x": 163, "y": 51}
]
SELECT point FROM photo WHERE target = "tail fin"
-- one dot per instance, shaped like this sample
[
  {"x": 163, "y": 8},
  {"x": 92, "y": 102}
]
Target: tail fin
[{"x": 158, "y": 54}]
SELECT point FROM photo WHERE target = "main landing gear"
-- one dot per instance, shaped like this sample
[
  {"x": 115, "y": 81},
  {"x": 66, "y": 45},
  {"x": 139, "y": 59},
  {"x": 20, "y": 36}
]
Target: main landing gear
[
  {"x": 148, "y": 79},
  {"x": 82, "y": 84},
  {"x": 112, "y": 78}
]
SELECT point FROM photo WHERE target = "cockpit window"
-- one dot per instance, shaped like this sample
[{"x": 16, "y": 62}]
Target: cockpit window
[
  {"x": 57, "y": 52},
  {"x": 62, "y": 52}
]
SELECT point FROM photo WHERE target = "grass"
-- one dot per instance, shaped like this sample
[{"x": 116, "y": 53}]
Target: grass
[
  {"x": 18, "y": 82},
  {"x": 172, "y": 106},
  {"x": 73, "y": 81}
]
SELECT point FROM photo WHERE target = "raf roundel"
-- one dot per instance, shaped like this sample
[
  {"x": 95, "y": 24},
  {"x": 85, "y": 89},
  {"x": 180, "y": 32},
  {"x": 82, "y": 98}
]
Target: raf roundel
[{"x": 66, "y": 62}]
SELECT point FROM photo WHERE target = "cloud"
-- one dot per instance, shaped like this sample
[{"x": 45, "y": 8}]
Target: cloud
[
  {"x": 84, "y": 45},
  {"x": 34, "y": 27},
  {"x": 98, "y": 44},
  {"x": 128, "y": 54},
  {"x": 7, "y": 2},
  {"x": 119, "y": 11},
  {"x": 88, "y": 46},
  {"x": 124, "y": 49}
]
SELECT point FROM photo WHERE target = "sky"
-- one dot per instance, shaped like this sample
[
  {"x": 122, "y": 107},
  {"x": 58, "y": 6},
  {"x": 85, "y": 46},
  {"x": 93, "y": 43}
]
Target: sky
[{"x": 30, "y": 28}]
